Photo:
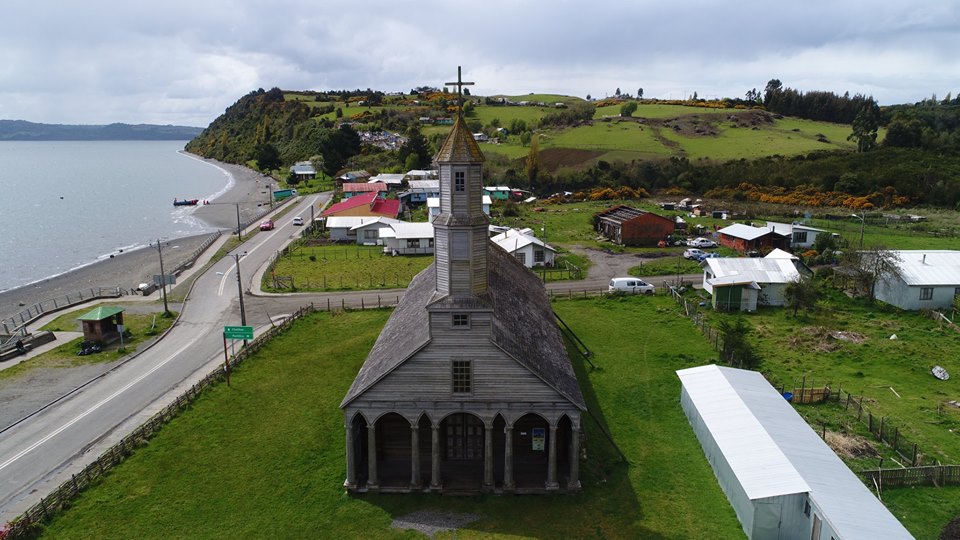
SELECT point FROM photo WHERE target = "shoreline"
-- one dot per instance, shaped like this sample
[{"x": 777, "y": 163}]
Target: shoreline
[{"x": 129, "y": 267}]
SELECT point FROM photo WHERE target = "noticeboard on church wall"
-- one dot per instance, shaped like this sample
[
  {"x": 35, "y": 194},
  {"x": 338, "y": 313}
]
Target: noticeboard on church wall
[{"x": 539, "y": 437}]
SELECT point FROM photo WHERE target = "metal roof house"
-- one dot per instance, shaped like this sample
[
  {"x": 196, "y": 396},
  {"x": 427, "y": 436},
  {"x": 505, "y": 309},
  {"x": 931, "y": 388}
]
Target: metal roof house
[
  {"x": 743, "y": 283},
  {"x": 927, "y": 280},
  {"x": 801, "y": 236},
  {"x": 781, "y": 479},
  {"x": 630, "y": 226},
  {"x": 405, "y": 238},
  {"x": 525, "y": 247},
  {"x": 745, "y": 238}
]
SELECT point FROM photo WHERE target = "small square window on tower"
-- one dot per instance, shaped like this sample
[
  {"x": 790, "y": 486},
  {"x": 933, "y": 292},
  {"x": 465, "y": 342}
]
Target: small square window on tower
[
  {"x": 461, "y": 377},
  {"x": 459, "y": 181},
  {"x": 461, "y": 320}
]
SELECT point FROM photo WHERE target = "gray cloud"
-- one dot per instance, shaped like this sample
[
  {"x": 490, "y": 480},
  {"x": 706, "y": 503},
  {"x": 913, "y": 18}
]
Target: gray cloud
[{"x": 179, "y": 62}]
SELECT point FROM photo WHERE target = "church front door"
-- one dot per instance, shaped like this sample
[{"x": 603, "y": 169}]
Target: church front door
[{"x": 464, "y": 437}]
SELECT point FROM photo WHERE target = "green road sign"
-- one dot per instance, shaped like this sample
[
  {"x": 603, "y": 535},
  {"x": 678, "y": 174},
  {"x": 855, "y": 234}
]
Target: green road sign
[{"x": 238, "y": 332}]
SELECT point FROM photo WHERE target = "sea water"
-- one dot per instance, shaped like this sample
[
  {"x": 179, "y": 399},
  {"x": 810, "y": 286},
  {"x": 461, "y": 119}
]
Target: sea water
[{"x": 65, "y": 204}]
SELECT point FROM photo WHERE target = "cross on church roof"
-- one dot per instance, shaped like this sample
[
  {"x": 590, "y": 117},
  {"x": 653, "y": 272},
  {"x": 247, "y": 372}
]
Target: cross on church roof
[{"x": 459, "y": 84}]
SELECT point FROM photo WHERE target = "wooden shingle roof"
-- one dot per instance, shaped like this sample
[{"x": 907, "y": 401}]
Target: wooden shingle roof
[
  {"x": 459, "y": 147},
  {"x": 523, "y": 327}
]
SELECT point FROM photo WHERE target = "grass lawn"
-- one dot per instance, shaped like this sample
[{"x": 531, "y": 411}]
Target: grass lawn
[
  {"x": 141, "y": 327},
  {"x": 345, "y": 267},
  {"x": 264, "y": 457}
]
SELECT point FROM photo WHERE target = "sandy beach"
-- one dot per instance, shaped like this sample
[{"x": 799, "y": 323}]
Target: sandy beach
[{"x": 250, "y": 191}]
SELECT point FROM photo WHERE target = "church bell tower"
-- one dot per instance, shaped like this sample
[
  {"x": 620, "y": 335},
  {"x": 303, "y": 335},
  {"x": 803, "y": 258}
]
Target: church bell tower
[{"x": 461, "y": 229}]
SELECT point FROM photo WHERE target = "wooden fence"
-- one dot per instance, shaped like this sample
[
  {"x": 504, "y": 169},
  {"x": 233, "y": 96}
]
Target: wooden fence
[
  {"x": 27, "y": 525},
  {"x": 930, "y": 475}
]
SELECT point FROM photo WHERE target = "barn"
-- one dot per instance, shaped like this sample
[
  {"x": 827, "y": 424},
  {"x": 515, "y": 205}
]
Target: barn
[
  {"x": 633, "y": 227},
  {"x": 781, "y": 479},
  {"x": 469, "y": 387}
]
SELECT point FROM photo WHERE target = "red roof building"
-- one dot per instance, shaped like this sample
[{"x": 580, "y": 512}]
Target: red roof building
[
  {"x": 367, "y": 204},
  {"x": 351, "y": 189}
]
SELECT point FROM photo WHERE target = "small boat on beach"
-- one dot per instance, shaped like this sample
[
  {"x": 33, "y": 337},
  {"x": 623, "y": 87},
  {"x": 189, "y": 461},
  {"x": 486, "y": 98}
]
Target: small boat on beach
[{"x": 186, "y": 202}]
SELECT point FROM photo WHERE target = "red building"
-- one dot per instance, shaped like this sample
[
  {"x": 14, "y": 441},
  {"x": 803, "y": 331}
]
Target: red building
[
  {"x": 369, "y": 204},
  {"x": 632, "y": 227},
  {"x": 744, "y": 238}
]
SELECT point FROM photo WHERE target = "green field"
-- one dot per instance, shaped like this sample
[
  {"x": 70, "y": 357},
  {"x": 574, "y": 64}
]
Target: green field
[
  {"x": 264, "y": 457},
  {"x": 344, "y": 268}
]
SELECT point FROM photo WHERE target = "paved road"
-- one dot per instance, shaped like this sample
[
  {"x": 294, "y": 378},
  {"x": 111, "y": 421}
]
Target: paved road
[{"x": 40, "y": 452}]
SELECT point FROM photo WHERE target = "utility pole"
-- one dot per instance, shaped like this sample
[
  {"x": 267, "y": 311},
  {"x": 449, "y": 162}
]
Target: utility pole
[
  {"x": 243, "y": 313},
  {"x": 862, "y": 218},
  {"x": 163, "y": 280},
  {"x": 239, "y": 229}
]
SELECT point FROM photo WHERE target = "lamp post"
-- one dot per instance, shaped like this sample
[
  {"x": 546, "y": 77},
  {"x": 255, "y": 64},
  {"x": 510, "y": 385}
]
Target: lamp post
[
  {"x": 163, "y": 280},
  {"x": 862, "y": 219},
  {"x": 243, "y": 313}
]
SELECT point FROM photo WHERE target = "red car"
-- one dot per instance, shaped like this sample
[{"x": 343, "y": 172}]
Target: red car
[{"x": 266, "y": 225}]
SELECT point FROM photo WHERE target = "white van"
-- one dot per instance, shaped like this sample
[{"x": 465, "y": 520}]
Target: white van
[{"x": 630, "y": 285}]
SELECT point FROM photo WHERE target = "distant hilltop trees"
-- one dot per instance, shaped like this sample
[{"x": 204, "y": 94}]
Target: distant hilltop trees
[{"x": 20, "y": 130}]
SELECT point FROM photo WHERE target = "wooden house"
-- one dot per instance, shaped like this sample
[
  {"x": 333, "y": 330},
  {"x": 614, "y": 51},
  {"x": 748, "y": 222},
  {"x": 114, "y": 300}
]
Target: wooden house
[
  {"x": 352, "y": 189},
  {"x": 469, "y": 387},
  {"x": 745, "y": 238},
  {"x": 633, "y": 227}
]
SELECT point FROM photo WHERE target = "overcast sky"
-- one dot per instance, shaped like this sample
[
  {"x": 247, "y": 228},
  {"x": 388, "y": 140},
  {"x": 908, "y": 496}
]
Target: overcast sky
[{"x": 183, "y": 62}]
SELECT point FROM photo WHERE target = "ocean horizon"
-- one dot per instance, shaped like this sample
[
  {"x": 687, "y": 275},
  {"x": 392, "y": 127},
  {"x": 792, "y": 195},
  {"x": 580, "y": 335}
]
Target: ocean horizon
[{"x": 69, "y": 204}]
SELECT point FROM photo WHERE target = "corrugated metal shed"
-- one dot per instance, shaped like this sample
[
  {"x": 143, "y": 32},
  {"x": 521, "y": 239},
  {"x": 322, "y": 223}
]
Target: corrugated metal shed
[
  {"x": 928, "y": 268},
  {"x": 746, "y": 232},
  {"x": 847, "y": 506},
  {"x": 404, "y": 230},
  {"x": 753, "y": 269}
]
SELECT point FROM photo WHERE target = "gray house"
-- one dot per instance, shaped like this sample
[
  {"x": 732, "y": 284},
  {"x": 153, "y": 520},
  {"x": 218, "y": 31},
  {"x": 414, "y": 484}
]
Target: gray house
[
  {"x": 926, "y": 280},
  {"x": 469, "y": 387},
  {"x": 781, "y": 479}
]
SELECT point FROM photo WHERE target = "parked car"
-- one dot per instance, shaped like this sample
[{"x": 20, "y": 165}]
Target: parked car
[
  {"x": 298, "y": 221},
  {"x": 693, "y": 253},
  {"x": 702, "y": 243},
  {"x": 630, "y": 285},
  {"x": 266, "y": 225},
  {"x": 700, "y": 258}
]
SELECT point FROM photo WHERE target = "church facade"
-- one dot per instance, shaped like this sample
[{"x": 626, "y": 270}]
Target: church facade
[{"x": 469, "y": 387}]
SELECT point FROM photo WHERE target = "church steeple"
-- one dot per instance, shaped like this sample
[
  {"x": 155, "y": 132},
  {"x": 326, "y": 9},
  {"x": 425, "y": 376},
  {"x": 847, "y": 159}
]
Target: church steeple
[{"x": 461, "y": 228}]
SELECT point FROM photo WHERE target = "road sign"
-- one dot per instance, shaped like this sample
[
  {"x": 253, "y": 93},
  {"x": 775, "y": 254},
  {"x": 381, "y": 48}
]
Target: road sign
[
  {"x": 238, "y": 332},
  {"x": 159, "y": 279}
]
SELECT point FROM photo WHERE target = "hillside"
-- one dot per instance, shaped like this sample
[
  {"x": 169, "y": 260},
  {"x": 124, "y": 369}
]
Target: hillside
[
  {"x": 693, "y": 146},
  {"x": 20, "y": 130}
]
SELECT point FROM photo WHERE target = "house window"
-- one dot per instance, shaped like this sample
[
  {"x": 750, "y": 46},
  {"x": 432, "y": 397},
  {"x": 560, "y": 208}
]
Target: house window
[
  {"x": 430, "y": 242},
  {"x": 926, "y": 293},
  {"x": 459, "y": 181},
  {"x": 370, "y": 235},
  {"x": 460, "y": 250},
  {"x": 461, "y": 377},
  {"x": 521, "y": 256},
  {"x": 538, "y": 256},
  {"x": 806, "y": 508},
  {"x": 799, "y": 237},
  {"x": 956, "y": 291},
  {"x": 413, "y": 243},
  {"x": 461, "y": 320}
]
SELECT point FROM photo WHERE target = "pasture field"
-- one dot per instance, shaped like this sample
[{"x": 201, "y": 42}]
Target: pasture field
[
  {"x": 344, "y": 267},
  {"x": 265, "y": 455}
]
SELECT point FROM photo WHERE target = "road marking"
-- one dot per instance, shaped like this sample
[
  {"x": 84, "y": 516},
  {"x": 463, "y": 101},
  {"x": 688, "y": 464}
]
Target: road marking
[{"x": 83, "y": 415}]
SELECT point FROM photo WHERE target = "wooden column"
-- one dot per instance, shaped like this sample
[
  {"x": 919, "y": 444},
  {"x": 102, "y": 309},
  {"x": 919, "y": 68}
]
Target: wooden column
[
  {"x": 552, "y": 460},
  {"x": 351, "y": 481},
  {"x": 508, "y": 458},
  {"x": 435, "y": 457},
  {"x": 415, "y": 456},
  {"x": 488, "y": 457},
  {"x": 373, "y": 483},
  {"x": 574, "y": 482}
]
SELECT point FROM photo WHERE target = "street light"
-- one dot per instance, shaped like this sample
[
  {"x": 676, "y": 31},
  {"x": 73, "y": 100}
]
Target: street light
[
  {"x": 862, "y": 220},
  {"x": 163, "y": 280},
  {"x": 243, "y": 313}
]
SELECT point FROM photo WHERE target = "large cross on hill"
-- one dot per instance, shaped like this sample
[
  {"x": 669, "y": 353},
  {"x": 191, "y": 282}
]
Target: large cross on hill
[{"x": 459, "y": 84}]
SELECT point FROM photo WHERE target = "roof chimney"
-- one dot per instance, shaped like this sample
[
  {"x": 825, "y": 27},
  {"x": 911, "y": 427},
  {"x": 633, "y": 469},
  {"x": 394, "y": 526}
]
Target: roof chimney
[{"x": 924, "y": 258}]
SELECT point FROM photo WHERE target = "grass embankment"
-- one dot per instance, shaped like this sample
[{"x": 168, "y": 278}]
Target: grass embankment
[
  {"x": 264, "y": 457},
  {"x": 141, "y": 327}
]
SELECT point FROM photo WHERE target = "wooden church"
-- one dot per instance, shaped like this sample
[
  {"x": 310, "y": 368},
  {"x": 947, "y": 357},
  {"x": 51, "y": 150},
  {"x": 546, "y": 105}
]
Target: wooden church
[{"x": 469, "y": 387}]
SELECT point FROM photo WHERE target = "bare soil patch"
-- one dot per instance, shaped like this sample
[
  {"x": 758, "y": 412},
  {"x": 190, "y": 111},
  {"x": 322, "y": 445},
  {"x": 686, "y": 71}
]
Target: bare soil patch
[
  {"x": 822, "y": 339},
  {"x": 850, "y": 446}
]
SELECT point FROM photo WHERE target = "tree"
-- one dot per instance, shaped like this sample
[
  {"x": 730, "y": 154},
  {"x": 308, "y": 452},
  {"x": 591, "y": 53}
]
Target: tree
[
  {"x": 267, "y": 156},
  {"x": 736, "y": 349},
  {"x": 772, "y": 91},
  {"x": 337, "y": 146},
  {"x": 417, "y": 147},
  {"x": 801, "y": 293},
  {"x": 871, "y": 266},
  {"x": 617, "y": 93},
  {"x": 865, "y": 126},
  {"x": 525, "y": 138},
  {"x": 639, "y": 93},
  {"x": 628, "y": 108},
  {"x": 532, "y": 167}
]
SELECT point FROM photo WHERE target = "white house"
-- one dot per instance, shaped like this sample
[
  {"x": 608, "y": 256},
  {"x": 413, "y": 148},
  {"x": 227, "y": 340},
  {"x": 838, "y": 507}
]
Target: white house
[
  {"x": 743, "y": 283},
  {"x": 433, "y": 207},
  {"x": 927, "y": 280},
  {"x": 391, "y": 180},
  {"x": 525, "y": 247},
  {"x": 801, "y": 236},
  {"x": 342, "y": 228},
  {"x": 418, "y": 191},
  {"x": 781, "y": 479},
  {"x": 421, "y": 174},
  {"x": 405, "y": 238},
  {"x": 303, "y": 170},
  {"x": 368, "y": 232}
]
